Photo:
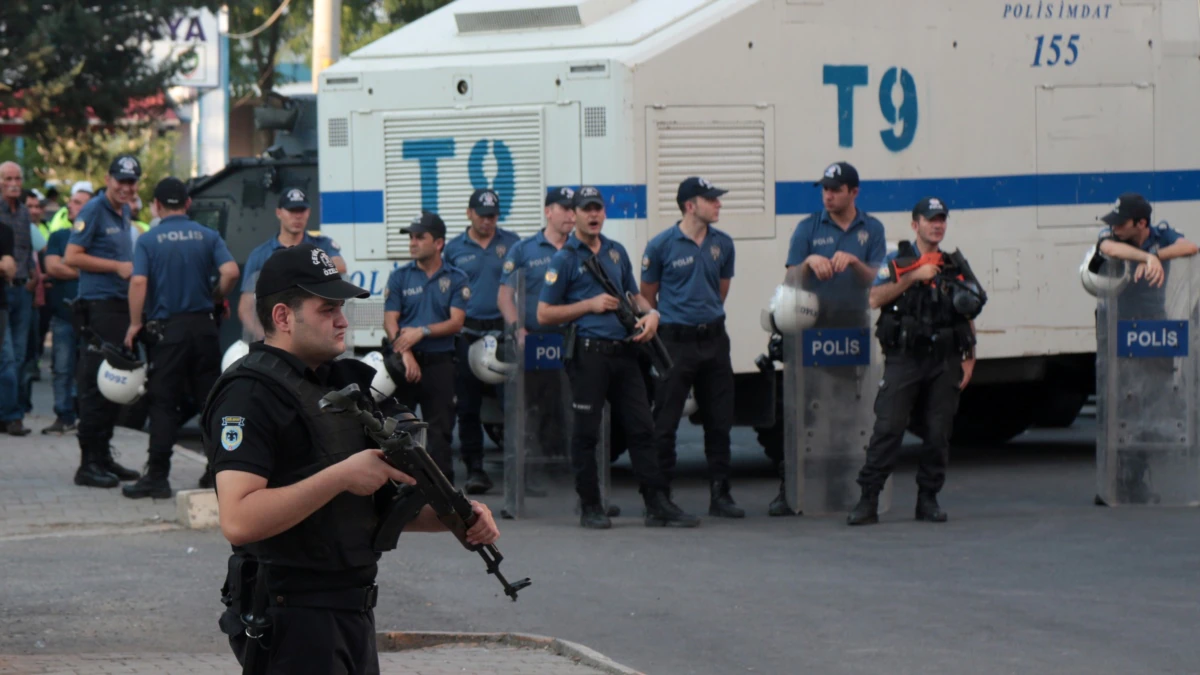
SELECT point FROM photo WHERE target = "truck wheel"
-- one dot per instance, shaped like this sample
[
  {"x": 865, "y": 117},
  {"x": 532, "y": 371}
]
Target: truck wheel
[
  {"x": 1058, "y": 407},
  {"x": 994, "y": 413}
]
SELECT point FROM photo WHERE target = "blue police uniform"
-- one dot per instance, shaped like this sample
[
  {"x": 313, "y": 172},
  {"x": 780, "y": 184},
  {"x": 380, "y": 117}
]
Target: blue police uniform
[
  {"x": 819, "y": 235},
  {"x": 567, "y": 282},
  {"x": 483, "y": 268},
  {"x": 693, "y": 331},
  {"x": 423, "y": 301},
  {"x": 259, "y": 255},
  {"x": 178, "y": 258},
  {"x": 103, "y": 232},
  {"x": 529, "y": 257}
]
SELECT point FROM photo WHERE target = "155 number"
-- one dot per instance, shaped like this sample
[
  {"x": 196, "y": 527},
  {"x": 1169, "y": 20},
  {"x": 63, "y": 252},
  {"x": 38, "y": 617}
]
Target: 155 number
[{"x": 1054, "y": 51}]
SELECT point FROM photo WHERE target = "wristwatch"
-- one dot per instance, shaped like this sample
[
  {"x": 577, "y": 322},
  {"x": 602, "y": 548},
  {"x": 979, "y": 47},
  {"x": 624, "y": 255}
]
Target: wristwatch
[{"x": 425, "y": 331}]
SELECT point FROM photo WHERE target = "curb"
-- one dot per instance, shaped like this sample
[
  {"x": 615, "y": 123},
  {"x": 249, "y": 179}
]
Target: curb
[{"x": 396, "y": 641}]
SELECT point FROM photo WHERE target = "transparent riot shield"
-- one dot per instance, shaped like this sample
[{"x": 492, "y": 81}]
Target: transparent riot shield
[
  {"x": 832, "y": 370},
  {"x": 538, "y": 478},
  {"x": 1146, "y": 390}
]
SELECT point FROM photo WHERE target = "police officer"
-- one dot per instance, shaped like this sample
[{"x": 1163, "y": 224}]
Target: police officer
[
  {"x": 424, "y": 307},
  {"x": 293, "y": 213},
  {"x": 836, "y": 252},
  {"x": 101, "y": 249},
  {"x": 530, "y": 258},
  {"x": 479, "y": 251},
  {"x": 686, "y": 272},
  {"x": 173, "y": 266},
  {"x": 1129, "y": 236},
  {"x": 604, "y": 366},
  {"x": 294, "y": 486},
  {"x": 929, "y": 356}
]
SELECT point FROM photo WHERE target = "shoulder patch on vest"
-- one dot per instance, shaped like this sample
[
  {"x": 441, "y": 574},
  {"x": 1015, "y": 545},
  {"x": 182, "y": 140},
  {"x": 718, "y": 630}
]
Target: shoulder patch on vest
[{"x": 231, "y": 432}]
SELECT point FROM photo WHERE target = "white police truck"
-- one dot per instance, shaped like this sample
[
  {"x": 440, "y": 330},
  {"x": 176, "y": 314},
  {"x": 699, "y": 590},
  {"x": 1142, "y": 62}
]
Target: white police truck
[{"x": 1028, "y": 118}]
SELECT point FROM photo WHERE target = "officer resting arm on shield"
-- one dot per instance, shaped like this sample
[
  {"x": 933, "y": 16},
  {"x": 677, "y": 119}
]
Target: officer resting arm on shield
[
  {"x": 1129, "y": 236},
  {"x": 424, "y": 308},
  {"x": 295, "y": 485},
  {"x": 293, "y": 212},
  {"x": 929, "y": 354}
]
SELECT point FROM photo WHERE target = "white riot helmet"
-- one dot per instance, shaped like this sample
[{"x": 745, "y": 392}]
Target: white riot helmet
[
  {"x": 1102, "y": 275},
  {"x": 791, "y": 311},
  {"x": 236, "y": 351},
  {"x": 486, "y": 365},
  {"x": 121, "y": 378},
  {"x": 382, "y": 385},
  {"x": 690, "y": 406}
]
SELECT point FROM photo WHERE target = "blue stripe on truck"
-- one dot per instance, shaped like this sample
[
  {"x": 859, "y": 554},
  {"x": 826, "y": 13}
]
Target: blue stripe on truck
[{"x": 881, "y": 196}]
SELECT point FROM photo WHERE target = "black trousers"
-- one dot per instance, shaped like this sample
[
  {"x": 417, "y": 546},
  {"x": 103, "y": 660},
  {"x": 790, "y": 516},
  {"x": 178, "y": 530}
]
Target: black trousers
[
  {"x": 322, "y": 642},
  {"x": 469, "y": 391},
  {"x": 185, "y": 363},
  {"x": 109, "y": 321},
  {"x": 617, "y": 379},
  {"x": 924, "y": 386},
  {"x": 705, "y": 364},
  {"x": 435, "y": 396}
]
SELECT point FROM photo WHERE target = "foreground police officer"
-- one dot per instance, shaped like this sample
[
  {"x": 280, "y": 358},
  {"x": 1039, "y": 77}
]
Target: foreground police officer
[
  {"x": 295, "y": 487},
  {"x": 686, "y": 274},
  {"x": 479, "y": 252},
  {"x": 102, "y": 250},
  {"x": 173, "y": 265},
  {"x": 293, "y": 213},
  {"x": 424, "y": 307},
  {"x": 605, "y": 366},
  {"x": 837, "y": 252},
  {"x": 929, "y": 355}
]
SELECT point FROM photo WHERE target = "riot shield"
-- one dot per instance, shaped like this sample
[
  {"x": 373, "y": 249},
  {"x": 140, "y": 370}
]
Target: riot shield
[
  {"x": 831, "y": 376},
  {"x": 1146, "y": 390},
  {"x": 537, "y": 416}
]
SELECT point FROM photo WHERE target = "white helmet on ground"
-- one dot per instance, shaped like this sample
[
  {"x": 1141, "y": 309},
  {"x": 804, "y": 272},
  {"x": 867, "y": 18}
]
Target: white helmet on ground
[
  {"x": 121, "y": 378},
  {"x": 790, "y": 311},
  {"x": 486, "y": 365},
  {"x": 382, "y": 385},
  {"x": 236, "y": 351},
  {"x": 1102, "y": 275},
  {"x": 690, "y": 406}
]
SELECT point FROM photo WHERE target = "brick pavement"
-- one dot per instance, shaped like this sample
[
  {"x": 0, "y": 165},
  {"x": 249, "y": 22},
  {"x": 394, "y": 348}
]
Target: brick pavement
[
  {"x": 38, "y": 495},
  {"x": 477, "y": 660}
]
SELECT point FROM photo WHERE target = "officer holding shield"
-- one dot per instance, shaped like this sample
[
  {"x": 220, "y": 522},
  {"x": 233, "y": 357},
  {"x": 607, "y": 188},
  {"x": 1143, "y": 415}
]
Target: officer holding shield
[
  {"x": 928, "y": 341},
  {"x": 479, "y": 252},
  {"x": 1129, "y": 236},
  {"x": 424, "y": 307},
  {"x": 686, "y": 272}
]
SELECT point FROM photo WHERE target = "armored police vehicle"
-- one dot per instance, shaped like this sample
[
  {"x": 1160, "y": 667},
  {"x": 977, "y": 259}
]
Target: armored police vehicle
[{"x": 1028, "y": 118}]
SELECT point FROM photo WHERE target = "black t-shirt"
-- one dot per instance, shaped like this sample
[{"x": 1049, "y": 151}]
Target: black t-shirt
[
  {"x": 6, "y": 249},
  {"x": 273, "y": 440}
]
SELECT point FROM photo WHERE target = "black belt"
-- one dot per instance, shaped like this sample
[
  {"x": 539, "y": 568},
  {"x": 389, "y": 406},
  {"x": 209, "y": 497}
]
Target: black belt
[
  {"x": 609, "y": 347},
  {"x": 484, "y": 325},
  {"x": 349, "y": 599},
  {"x": 433, "y": 358},
  {"x": 20, "y": 281},
  {"x": 108, "y": 304},
  {"x": 683, "y": 333}
]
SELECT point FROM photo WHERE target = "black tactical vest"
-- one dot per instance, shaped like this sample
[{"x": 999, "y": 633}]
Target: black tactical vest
[
  {"x": 338, "y": 535},
  {"x": 923, "y": 321}
]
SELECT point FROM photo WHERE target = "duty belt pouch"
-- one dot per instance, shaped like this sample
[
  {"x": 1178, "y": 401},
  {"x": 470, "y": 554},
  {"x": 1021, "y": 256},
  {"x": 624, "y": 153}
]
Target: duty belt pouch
[
  {"x": 238, "y": 597},
  {"x": 569, "y": 345}
]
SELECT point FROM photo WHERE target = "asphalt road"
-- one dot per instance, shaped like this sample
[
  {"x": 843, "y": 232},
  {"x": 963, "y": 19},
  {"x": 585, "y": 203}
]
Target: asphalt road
[{"x": 1027, "y": 577}]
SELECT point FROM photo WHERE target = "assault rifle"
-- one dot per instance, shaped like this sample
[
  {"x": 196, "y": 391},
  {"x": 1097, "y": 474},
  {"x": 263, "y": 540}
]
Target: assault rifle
[
  {"x": 628, "y": 315},
  {"x": 954, "y": 275},
  {"x": 401, "y": 450}
]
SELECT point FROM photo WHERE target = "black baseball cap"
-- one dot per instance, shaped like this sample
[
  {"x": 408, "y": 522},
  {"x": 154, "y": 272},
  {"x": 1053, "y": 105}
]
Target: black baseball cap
[
  {"x": 930, "y": 208},
  {"x": 588, "y": 195},
  {"x": 308, "y": 268},
  {"x": 563, "y": 196},
  {"x": 839, "y": 174},
  {"x": 171, "y": 191},
  {"x": 125, "y": 167},
  {"x": 485, "y": 202},
  {"x": 426, "y": 222},
  {"x": 293, "y": 198},
  {"x": 697, "y": 187},
  {"x": 1129, "y": 205}
]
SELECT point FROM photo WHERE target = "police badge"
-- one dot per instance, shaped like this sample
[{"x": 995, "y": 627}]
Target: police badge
[
  {"x": 444, "y": 284},
  {"x": 863, "y": 237},
  {"x": 508, "y": 266},
  {"x": 715, "y": 251},
  {"x": 614, "y": 256},
  {"x": 231, "y": 432},
  {"x": 501, "y": 250}
]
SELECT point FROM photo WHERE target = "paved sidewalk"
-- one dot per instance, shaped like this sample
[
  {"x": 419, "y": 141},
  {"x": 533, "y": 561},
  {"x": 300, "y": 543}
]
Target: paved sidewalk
[
  {"x": 432, "y": 661},
  {"x": 38, "y": 495}
]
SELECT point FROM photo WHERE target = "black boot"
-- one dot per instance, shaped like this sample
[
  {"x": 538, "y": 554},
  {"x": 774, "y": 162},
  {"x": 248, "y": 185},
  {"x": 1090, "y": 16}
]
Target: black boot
[
  {"x": 92, "y": 474},
  {"x": 928, "y": 509},
  {"x": 866, "y": 512},
  {"x": 779, "y": 505},
  {"x": 478, "y": 482},
  {"x": 721, "y": 503},
  {"x": 592, "y": 516},
  {"x": 612, "y": 512},
  {"x": 662, "y": 512},
  {"x": 154, "y": 484},
  {"x": 123, "y": 474}
]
